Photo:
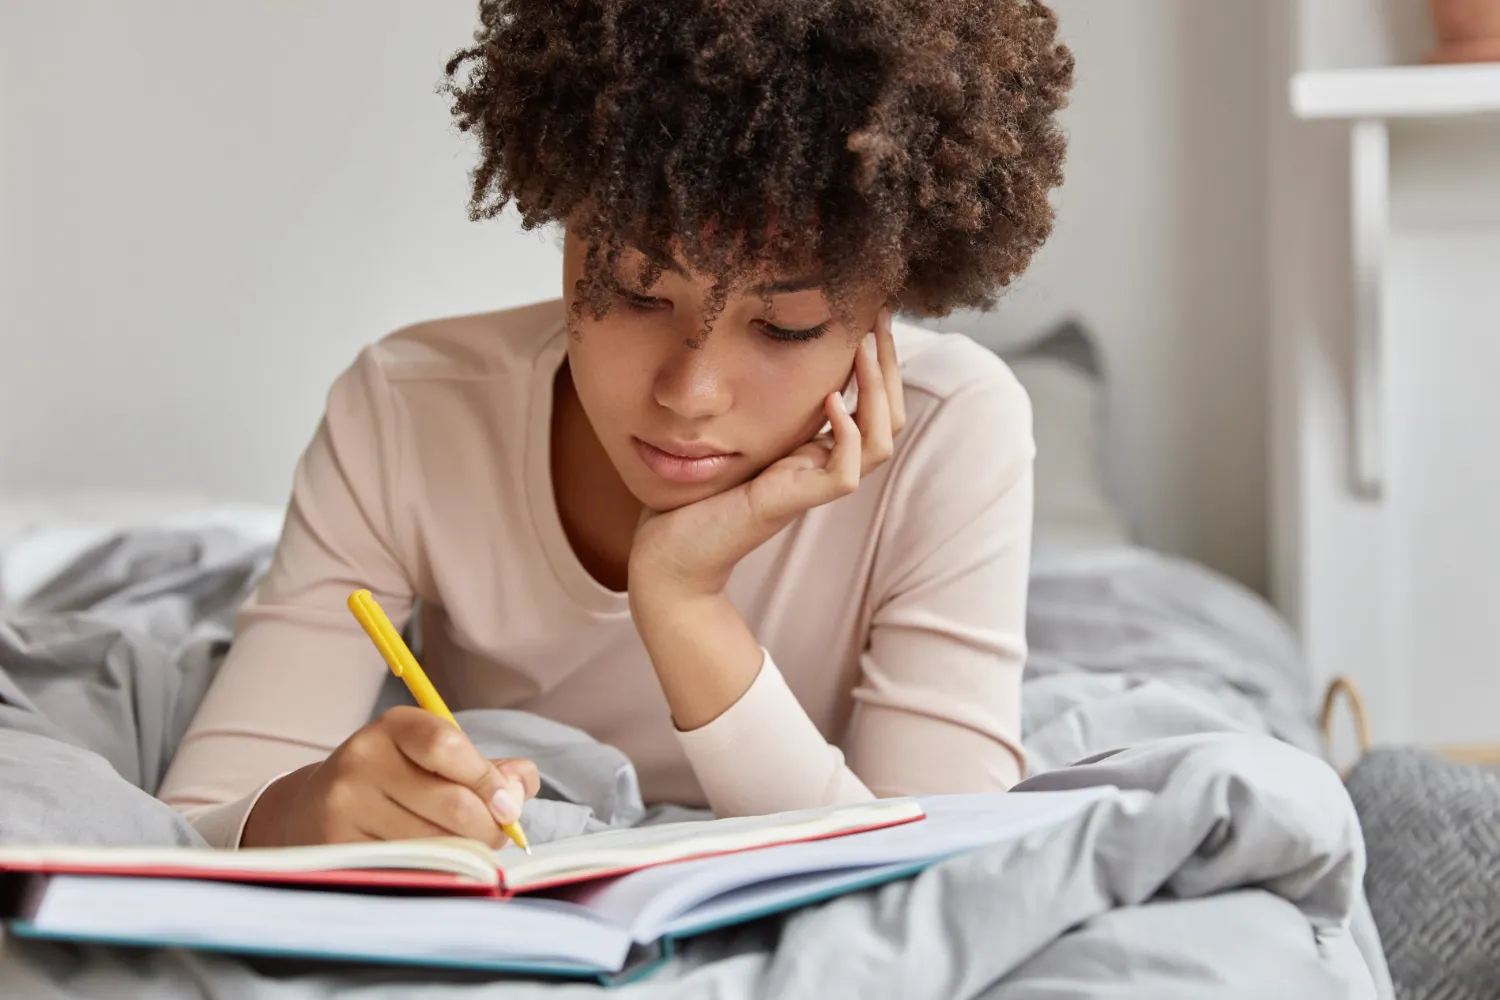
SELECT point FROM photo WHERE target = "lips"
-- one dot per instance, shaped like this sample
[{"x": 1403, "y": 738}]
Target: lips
[{"x": 683, "y": 462}]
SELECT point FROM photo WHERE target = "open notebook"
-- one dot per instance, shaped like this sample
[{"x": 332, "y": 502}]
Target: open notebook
[
  {"x": 455, "y": 864},
  {"x": 599, "y": 927}
]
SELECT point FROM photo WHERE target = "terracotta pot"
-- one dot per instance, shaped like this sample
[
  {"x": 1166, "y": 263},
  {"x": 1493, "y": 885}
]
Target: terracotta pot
[{"x": 1467, "y": 30}]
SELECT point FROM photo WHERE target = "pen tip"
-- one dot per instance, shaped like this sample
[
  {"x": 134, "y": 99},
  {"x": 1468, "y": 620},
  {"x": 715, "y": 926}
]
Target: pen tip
[{"x": 527, "y": 849}]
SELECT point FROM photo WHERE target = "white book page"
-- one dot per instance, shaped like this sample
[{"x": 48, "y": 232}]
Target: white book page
[
  {"x": 230, "y": 915},
  {"x": 650, "y": 901},
  {"x": 580, "y": 857}
]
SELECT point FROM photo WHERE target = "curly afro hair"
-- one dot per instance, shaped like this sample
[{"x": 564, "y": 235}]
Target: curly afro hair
[{"x": 904, "y": 145}]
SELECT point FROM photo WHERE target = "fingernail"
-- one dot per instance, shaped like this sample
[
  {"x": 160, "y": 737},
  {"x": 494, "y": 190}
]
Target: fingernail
[
  {"x": 507, "y": 805},
  {"x": 869, "y": 344},
  {"x": 841, "y": 402}
]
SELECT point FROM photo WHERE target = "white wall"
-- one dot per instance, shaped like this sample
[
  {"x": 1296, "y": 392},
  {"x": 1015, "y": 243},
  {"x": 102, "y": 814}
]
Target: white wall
[
  {"x": 1160, "y": 247},
  {"x": 207, "y": 208},
  {"x": 212, "y": 206}
]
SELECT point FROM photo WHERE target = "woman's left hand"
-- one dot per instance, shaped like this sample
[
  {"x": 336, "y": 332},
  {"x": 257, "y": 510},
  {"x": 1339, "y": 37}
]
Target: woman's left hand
[{"x": 693, "y": 549}]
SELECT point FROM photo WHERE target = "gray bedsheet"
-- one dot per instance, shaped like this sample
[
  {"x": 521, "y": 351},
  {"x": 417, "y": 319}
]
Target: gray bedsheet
[{"x": 1230, "y": 865}]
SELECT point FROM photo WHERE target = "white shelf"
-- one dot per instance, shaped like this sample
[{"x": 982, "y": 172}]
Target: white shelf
[{"x": 1398, "y": 92}]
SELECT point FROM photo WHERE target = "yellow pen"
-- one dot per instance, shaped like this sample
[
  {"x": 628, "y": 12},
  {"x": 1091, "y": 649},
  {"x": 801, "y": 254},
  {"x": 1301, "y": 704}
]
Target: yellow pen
[{"x": 404, "y": 665}]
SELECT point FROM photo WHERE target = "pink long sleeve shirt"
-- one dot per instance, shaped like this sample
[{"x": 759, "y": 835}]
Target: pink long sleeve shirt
[{"x": 892, "y": 620}]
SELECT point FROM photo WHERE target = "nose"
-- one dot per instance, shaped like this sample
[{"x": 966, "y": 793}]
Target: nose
[{"x": 693, "y": 382}]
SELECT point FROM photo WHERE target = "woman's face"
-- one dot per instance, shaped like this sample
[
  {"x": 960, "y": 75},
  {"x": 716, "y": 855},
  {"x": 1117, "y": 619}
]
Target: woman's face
[{"x": 683, "y": 416}]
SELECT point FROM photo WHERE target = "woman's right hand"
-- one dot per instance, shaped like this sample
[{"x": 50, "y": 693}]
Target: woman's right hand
[{"x": 409, "y": 773}]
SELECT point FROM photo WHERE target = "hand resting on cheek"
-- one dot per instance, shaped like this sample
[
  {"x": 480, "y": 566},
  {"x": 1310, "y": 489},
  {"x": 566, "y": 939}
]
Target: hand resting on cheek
[{"x": 693, "y": 549}]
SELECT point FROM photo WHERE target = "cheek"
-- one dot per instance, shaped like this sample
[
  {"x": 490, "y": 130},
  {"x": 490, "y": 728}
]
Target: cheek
[
  {"x": 611, "y": 365},
  {"x": 789, "y": 392},
  {"x": 588, "y": 360},
  {"x": 831, "y": 370}
]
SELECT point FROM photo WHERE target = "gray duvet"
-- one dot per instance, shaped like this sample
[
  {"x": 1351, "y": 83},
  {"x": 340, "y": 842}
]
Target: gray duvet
[{"x": 1230, "y": 865}]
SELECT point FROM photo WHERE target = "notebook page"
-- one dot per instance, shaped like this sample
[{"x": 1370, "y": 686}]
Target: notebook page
[
  {"x": 614, "y": 850},
  {"x": 301, "y": 922},
  {"x": 651, "y": 901}
]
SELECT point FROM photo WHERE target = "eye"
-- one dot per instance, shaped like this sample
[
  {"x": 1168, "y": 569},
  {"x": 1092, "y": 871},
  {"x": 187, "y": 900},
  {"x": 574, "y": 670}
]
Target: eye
[
  {"x": 788, "y": 335},
  {"x": 644, "y": 302}
]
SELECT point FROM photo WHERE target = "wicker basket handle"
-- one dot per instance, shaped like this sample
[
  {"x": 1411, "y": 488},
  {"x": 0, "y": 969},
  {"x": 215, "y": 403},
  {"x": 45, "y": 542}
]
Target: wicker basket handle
[{"x": 1342, "y": 689}]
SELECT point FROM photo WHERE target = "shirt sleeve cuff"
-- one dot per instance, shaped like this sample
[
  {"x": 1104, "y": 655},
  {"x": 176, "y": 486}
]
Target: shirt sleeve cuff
[
  {"x": 764, "y": 755},
  {"x": 223, "y": 825}
]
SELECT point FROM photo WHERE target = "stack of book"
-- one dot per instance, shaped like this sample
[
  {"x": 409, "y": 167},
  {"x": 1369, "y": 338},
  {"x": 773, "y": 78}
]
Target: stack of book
[{"x": 608, "y": 905}]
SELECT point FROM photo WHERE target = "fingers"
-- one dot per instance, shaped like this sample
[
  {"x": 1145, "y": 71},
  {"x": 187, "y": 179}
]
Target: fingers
[
  {"x": 440, "y": 748},
  {"x": 394, "y": 821},
  {"x": 890, "y": 368},
  {"x": 521, "y": 771},
  {"x": 844, "y": 469},
  {"x": 874, "y": 417},
  {"x": 447, "y": 808}
]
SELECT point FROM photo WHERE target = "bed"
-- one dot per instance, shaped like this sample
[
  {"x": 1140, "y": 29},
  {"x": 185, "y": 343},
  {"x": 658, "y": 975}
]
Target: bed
[{"x": 1230, "y": 863}]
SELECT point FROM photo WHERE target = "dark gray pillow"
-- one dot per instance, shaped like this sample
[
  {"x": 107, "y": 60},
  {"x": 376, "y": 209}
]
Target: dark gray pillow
[
  {"x": 1432, "y": 831},
  {"x": 1062, "y": 372}
]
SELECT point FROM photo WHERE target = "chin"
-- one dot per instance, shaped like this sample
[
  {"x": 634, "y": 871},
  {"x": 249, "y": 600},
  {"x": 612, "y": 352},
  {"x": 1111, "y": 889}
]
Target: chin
[{"x": 663, "y": 497}]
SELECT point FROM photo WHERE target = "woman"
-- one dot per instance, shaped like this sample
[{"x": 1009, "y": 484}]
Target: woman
[{"x": 645, "y": 509}]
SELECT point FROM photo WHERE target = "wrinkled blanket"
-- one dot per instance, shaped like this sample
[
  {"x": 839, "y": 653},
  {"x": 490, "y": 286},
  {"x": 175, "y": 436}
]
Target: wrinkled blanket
[{"x": 1229, "y": 866}]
